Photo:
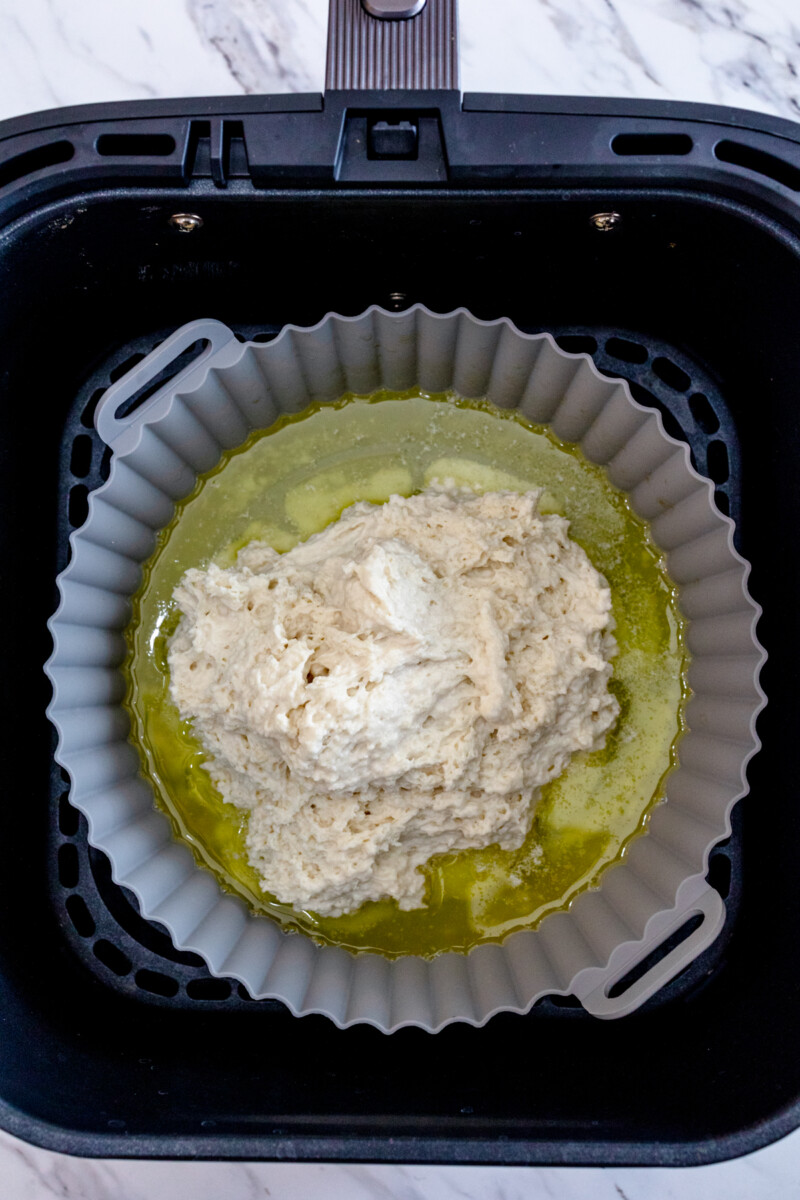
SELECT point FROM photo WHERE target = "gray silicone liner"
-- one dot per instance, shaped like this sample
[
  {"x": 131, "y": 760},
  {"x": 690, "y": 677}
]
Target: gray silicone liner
[{"x": 180, "y": 432}]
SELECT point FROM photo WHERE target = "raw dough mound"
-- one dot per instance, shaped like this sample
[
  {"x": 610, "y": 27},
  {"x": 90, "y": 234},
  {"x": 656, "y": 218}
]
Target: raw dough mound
[{"x": 398, "y": 686}]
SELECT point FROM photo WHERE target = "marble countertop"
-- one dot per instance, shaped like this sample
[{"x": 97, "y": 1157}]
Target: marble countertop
[{"x": 744, "y": 53}]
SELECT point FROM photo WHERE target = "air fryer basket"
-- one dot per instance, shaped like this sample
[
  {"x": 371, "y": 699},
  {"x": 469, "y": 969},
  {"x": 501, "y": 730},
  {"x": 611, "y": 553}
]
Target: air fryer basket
[{"x": 115, "y": 1043}]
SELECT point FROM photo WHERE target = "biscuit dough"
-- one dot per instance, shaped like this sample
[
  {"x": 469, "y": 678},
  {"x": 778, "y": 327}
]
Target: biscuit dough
[{"x": 396, "y": 687}]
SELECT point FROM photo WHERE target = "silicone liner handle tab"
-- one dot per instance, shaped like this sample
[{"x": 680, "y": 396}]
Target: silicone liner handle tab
[
  {"x": 113, "y": 428},
  {"x": 592, "y": 986}
]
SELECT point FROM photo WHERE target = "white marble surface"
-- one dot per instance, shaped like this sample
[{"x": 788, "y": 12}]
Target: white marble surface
[
  {"x": 747, "y": 54},
  {"x": 58, "y": 52}
]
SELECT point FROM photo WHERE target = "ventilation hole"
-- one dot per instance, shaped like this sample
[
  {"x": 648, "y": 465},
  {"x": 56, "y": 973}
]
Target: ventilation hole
[
  {"x": 717, "y": 459},
  {"x": 156, "y": 982},
  {"x": 112, "y": 957},
  {"x": 68, "y": 819},
  {"x": 68, "y": 866},
  {"x": 80, "y": 916},
  {"x": 243, "y": 994},
  {"x": 78, "y": 508},
  {"x": 671, "y": 374},
  {"x": 655, "y": 956},
  {"x": 759, "y": 161},
  {"x": 122, "y": 368},
  {"x": 703, "y": 413},
  {"x": 577, "y": 343},
  {"x": 135, "y": 145},
  {"x": 80, "y": 460},
  {"x": 105, "y": 464},
  {"x": 629, "y": 352},
  {"x": 719, "y": 874},
  {"x": 208, "y": 989},
  {"x": 87, "y": 416},
  {"x": 565, "y": 1001},
  {"x": 121, "y": 904},
  {"x": 35, "y": 160},
  {"x": 652, "y": 143},
  {"x": 722, "y": 502}
]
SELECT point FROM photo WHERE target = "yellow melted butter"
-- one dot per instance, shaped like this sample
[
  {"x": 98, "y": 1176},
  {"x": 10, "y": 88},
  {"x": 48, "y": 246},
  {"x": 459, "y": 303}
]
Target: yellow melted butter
[{"x": 292, "y": 480}]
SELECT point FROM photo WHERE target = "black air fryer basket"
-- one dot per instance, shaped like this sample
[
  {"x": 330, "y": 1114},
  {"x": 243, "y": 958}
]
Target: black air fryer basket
[{"x": 663, "y": 239}]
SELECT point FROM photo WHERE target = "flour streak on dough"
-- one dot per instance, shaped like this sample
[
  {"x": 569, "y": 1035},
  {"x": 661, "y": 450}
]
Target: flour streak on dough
[{"x": 396, "y": 687}]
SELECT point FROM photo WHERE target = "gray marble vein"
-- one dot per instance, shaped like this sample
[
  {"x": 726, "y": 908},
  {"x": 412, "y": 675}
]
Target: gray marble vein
[
  {"x": 265, "y": 47},
  {"x": 716, "y": 51}
]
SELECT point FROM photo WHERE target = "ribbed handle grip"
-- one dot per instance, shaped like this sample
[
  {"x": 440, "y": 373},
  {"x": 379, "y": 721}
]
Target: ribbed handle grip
[{"x": 419, "y": 53}]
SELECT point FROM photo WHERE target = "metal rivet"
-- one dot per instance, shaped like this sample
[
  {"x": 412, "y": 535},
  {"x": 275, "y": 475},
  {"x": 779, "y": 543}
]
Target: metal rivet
[
  {"x": 186, "y": 222},
  {"x": 397, "y": 299},
  {"x": 605, "y": 222}
]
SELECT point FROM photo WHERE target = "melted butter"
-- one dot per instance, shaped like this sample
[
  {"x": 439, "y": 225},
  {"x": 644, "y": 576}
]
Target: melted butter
[{"x": 292, "y": 480}]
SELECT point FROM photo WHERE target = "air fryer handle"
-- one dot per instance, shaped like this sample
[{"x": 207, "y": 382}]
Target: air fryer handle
[{"x": 392, "y": 44}]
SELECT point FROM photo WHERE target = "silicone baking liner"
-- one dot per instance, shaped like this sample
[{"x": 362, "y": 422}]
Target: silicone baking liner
[{"x": 176, "y": 434}]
